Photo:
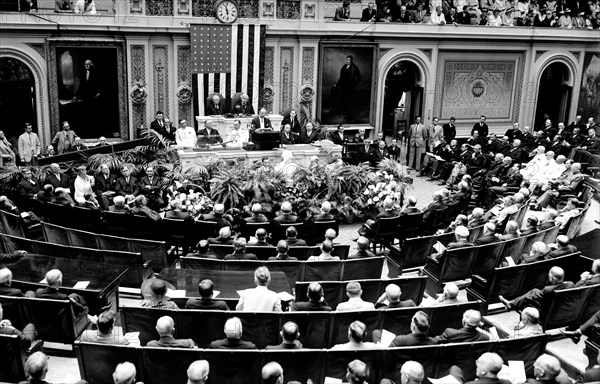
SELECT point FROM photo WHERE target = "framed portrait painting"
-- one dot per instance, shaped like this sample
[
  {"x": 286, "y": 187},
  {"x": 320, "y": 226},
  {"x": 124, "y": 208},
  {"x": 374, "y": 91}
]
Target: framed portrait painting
[
  {"x": 347, "y": 76},
  {"x": 88, "y": 88}
]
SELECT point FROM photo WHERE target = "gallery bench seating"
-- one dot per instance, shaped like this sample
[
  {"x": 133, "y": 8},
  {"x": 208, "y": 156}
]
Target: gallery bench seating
[
  {"x": 301, "y": 252},
  {"x": 513, "y": 281},
  {"x": 15, "y": 225},
  {"x": 150, "y": 250},
  {"x": 413, "y": 252},
  {"x": 367, "y": 268},
  {"x": 317, "y": 329},
  {"x": 571, "y": 306},
  {"x": 12, "y": 359},
  {"x": 54, "y": 320},
  {"x": 335, "y": 291},
  {"x": 138, "y": 269},
  {"x": 165, "y": 365}
]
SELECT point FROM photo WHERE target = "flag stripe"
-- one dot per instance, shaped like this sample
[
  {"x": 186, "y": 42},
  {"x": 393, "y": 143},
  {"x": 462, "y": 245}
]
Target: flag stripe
[
  {"x": 234, "y": 63},
  {"x": 261, "y": 65},
  {"x": 245, "y": 62},
  {"x": 250, "y": 66},
  {"x": 222, "y": 86},
  {"x": 196, "y": 106},
  {"x": 255, "y": 68},
  {"x": 240, "y": 62},
  {"x": 211, "y": 83}
]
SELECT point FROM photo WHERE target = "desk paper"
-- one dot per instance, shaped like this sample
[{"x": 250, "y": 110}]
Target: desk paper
[
  {"x": 333, "y": 380},
  {"x": 517, "y": 369},
  {"x": 285, "y": 296},
  {"x": 445, "y": 380},
  {"x": 180, "y": 293},
  {"x": 439, "y": 247},
  {"x": 43, "y": 281},
  {"x": 387, "y": 337},
  {"x": 216, "y": 293},
  {"x": 81, "y": 285},
  {"x": 510, "y": 261}
]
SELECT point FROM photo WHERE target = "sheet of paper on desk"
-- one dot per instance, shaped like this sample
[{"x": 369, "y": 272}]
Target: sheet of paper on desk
[
  {"x": 81, "y": 285},
  {"x": 387, "y": 337},
  {"x": 179, "y": 293},
  {"x": 285, "y": 296},
  {"x": 445, "y": 380},
  {"x": 333, "y": 380},
  {"x": 439, "y": 247},
  {"x": 216, "y": 293},
  {"x": 517, "y": 369},
  {"x": 43, "y": 281},
  {"x": 510, "y": 261}
]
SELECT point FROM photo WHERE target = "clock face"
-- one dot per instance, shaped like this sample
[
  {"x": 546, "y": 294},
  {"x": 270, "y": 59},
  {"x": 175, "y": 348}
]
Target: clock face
[{"x": 227, "y": 11}]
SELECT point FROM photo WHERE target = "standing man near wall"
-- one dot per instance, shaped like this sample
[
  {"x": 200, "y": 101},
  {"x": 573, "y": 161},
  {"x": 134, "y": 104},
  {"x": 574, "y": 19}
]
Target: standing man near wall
[{"x": 417, "y": 137}]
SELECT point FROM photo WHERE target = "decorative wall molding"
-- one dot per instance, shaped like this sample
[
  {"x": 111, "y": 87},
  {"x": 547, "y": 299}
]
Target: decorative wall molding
[
  {"x": 289, "y": 10},
  {"x": 428, "y": 52},
  {"x": 40, "y": 48},
  {"x": 576, "y": 54},
  {"x": 269, "y": 76},
  {"x": 184, "y": 82},
  {"x": 159, "y": 7},
  {"x": 307, "y": 89},
  {"x": 138, "y": 93},
  {"x": 268, "y": 9},
  {"x": 538, "y": 54},
  {"x": 310, "y": 10},
  {"x": 183, "y": 7},
  {"x": 286, "y": 77},
  {"x": 136, "y": 6},
  {"x": 160, "y": 71},
  {"x": 382, "y": 52},
  {"x": 308, "y": 65}
]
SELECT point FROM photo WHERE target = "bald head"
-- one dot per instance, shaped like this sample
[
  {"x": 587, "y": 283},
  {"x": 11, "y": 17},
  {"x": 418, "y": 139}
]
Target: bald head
[
  {"x": 362, "y": 243},
  {"x": 165, "y": 326},
  {"x": 330, "y": 234},
  {"x": 357, "y": 372},
  {"x": 451, "y": 291},
  {"x": 286, "y": 207},
  {"x": 488, "y": 365},
  {"x": 546, "y": 367},
  {"x": 412, "y": 373},
  {"x": 5, "y": 276},
  {"x": 477, "y": 213},
  {"x": 272, "y": 373},
  {"x": 54, "y": 278},
  {"x": 198, "y": 372},
  {"x": 326, "y": 207},
  {"x": 233, "y": 328},
  {"x": 37, "y": 365},
  {"x": 315, "y": 292},
  {"x": 412, "y": 201},
  {"x": 124, "y": 373},
  {"x": 393, "y": 293},
  {"x": 256, "y": 208},
  {"x": 489, "y": 228},
  {"x": 556, "y": 275},
  {"x": 471, "y": 318}
]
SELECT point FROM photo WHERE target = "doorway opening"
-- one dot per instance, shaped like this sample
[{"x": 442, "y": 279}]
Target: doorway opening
[
  {"x": 403, "y": 98},
  {"x": 554, "y": 97}
]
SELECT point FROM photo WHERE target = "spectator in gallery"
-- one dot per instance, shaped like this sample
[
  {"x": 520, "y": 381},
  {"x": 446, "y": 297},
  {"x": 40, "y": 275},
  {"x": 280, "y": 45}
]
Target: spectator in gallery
[
  {"x": 282, "y": 252},
  {"x": 452, "y": 17},
  {"x": 233, "y": 337},
  {"x": 369, "y": 13},
  {"x": 206, "y": 300},
  {"x": 62, "y": 5},
  {"x": 419, "y": 14},
  {"x": 29, "y": 146},
  {"x": 384, "y": 14},
  {"x": 78, "y": 145},
  {"x": 239, "y": 251},
  {"x": 357, "y": 333},
  {"x": 198, "y": 371},
  {"x": 28, "y": 5},
  {"x": 316, "y": 300},
  {"x": 342, "y": 13},
  {"x": 165, "y": 327},
  {"x": 508, "y": 18},
  {"x": 7, "y": 155},
  {"x": 289, "y": 335},
  {"x": 437, "y": 17}
]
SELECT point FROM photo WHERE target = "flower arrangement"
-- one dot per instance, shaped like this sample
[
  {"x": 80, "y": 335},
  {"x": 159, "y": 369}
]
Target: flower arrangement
[
  {"x": 194, "y": 203},
  {"x": 383, "y": 185}
]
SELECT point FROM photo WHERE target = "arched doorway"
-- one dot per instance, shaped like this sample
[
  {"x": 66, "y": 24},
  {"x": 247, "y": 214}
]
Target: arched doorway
[
  {"x": 403, "y": 97},
  {"x": 17, "y": 97},
  {"x": 554, "y": 96}
]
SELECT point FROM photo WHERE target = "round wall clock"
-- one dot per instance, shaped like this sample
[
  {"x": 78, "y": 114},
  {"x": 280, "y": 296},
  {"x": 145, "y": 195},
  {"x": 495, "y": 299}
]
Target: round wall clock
[{"x": 226, "y": 11}]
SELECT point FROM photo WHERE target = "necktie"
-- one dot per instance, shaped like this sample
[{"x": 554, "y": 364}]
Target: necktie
[{"x": 87, "y": 75}]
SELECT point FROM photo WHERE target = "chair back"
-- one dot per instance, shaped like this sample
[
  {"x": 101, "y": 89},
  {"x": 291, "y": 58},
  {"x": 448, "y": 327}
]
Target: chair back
[
  {"x": 249, "y": 229},
  {"x": 13, "y": 224},
  {"x": 12, "y": 359},
  {"x": 410, "y": 224},
  {"x": 458, "y": 263},
  {"x": 487, "y": 258},
  {"x": 316, "y": 232},
  {"x": 278, "y": 230},
  {"x": 340, "y": 250},
  {"x": 303, "y": 252},
  {"x": 204, "y": 229}
]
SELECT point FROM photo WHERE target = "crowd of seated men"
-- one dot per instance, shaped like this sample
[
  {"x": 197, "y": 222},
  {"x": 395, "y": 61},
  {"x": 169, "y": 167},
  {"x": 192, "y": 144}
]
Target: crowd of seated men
[{"x": 510, "y": 13}]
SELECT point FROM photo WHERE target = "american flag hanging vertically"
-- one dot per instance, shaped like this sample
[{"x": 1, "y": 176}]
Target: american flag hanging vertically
[{"x": 227, "y": 59}]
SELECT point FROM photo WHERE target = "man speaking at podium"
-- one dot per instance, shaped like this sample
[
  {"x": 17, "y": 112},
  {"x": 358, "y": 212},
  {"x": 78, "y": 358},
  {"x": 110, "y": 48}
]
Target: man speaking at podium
[
  {"x": 260, "y": 122},
  {"x": 209, "y": 134}
]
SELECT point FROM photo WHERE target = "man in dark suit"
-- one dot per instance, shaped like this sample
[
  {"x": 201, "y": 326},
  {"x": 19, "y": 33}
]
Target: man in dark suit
[
  {"x": 393, "y": 295},
  {"x": 564, "y": 248},
  {"x": 488, "y": 236},
  {"x": 244, "y": 108},
  {"x": 435, "y": 205},
  {"x": 292, "y": 120},
  {"x": 224, "y": 237},
  {"x": 289, "y": 334},
  {"x": 363, "y": 249},
  {"x": 419, "y": 327},
  {"x": 239, "y": 251},
  {"x": 36, "y": 369},
  {"x": 461, "y": 234},
  {"x": 209, "y": 134},
  {"x": 411, "y": 206},
  {"x": 377, "y": 154},
  {"x": 6, "y": 276},
  {"x": 206, "y": 301},
  {"x": 233, "y": 331},
  {"x": 105, "y": 186},
  {"x": 481, "y": 126},
  {"x": 127, "y": 185},
  {"x": 56, "y": 178},
  {"x": 215, "y": 107},
  {"x": 291, "y": 234},
  {"x": 257, "y": 215},
  {"x": 363, "y": 151},
  {"x": 449, "y": 130},
  {"x": 261, "y": 121},
  {"x": 516, "y": 153},
  {"x": 54, "y": 280},
  {"x": 325, "y": 214},
  {"x": 546, "y": 370},
  {"x": 535, "y": 296},
  {"x": 487, "y": 367},
  {"x": 151, "y": 186},
  {"x": 203, "y": 251},
  {"x": 161, "y": 126},
  {"x": 287, "y": 137},
  {"x": 119, "y": 206},
  {"x": 286, "y": 216},
  {"x": 316, "y": 301},
  {"x": 165, "y": 326},
  {"x": 338, "y": 136},
  {"x": 282, "y": 252},
  {"x": 308, "y": 134},
  {"x": 369, "y": 13},
  {"x": 219, "y": 216},
  {"x": 587, "y": 277},
  {"x": 468, "y": 333},
  {"x": 28, "y": 187},
  {"x": 175, "y": 212}
]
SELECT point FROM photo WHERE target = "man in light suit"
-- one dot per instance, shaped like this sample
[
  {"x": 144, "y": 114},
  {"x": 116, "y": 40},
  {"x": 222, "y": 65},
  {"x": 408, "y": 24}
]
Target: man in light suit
[
  {"x": 436, "y": 133},
  {"x": 29, "y": 146},
  {"x": 259, "y": 299},
  {"x": 418, "y": 136},
  {"x": 64, "y": 139}
]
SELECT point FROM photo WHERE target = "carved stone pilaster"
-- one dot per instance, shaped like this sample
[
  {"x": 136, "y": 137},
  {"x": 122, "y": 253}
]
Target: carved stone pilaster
[
  {"x": 184, "y": 82},
  {"x": 269, "y": 75},
  {"x": 286, "y": 76},
  {"x": 160, "y": 70},
  {"x": 136, "y": 6},
  {"x": 183, "y": 7},
  {"x": 138, "y": 92},
  {"x": 307, "y": 90}
]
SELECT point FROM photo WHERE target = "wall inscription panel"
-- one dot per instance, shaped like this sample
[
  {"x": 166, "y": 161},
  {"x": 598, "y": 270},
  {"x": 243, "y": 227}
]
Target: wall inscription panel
[{"x": 471, "y": 89}]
